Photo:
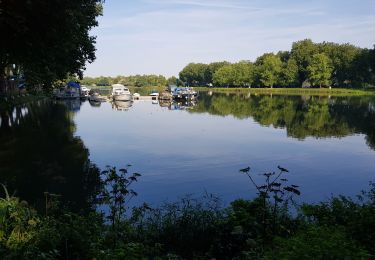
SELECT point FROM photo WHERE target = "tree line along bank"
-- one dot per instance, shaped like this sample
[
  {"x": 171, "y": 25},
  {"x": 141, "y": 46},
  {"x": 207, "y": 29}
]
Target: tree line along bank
[
  {"x": 306, "y": 64},
  {"x": 312, "y": 64}
]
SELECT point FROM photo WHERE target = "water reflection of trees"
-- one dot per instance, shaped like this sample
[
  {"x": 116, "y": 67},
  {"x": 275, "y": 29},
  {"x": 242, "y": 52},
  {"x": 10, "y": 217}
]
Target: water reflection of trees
[
  {"x": 178, "y": 105},
  {"x": 39, "y": 153},
  {"x": 302, "y": 116}
]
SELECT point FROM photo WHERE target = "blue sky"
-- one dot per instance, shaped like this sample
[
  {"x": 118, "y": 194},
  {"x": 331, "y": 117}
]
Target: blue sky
[{"x": 162, "y": 36}]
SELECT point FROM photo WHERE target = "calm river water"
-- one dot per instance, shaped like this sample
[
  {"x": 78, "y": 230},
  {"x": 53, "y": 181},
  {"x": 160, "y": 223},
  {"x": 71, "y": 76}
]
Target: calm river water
[{"x": 327, "y": 144}]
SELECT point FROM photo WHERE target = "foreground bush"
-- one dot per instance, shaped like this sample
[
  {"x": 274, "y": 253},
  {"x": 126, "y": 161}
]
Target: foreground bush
[
  {"x": 317, "y": 242},
  {"x": 192, "y": 228}
]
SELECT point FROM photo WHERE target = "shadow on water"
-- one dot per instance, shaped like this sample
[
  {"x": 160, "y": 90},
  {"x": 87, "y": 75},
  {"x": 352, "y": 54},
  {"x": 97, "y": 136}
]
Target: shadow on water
[
  {"x": 302, "y": 116},
  {"x": 39, "y": 153}
]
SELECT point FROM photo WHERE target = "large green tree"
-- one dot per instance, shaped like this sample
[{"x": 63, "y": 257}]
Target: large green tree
[
  {"x": 174, "y": 81},
  {"x": 224, "y": 77},
  {"x": 234, "y": 75},
  {"x": 47, "y": 39},
  {"x": 342, "y": 57},
  {"x": 320, "y": 70},
  {"x": 195, "y": 74},
  {"x": 213, "y": 67},
  {"x": 268, "y": 69},
  {"x": 302, "y": 52},
  {"x": 289, "y": 74},
  {"x": 243, "y": 73}
]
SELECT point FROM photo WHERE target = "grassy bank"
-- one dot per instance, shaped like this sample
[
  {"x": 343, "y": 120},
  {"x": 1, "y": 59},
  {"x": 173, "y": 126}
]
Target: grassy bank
[{"x": 294, "y": 91}]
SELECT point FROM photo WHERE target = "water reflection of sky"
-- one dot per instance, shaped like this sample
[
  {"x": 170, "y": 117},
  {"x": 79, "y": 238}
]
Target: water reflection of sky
[{"x": 181, "y": 153}]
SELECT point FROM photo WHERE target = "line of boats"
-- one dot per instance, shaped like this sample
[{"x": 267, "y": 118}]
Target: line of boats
[{"x": 121, "y": 93}]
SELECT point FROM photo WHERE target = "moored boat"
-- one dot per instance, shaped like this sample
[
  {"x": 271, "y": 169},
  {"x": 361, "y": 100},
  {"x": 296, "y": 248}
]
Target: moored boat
[
  {"x": 85, "y": 92},
  {"x": 154, "y": 93},
  {"x": 121, "y": 93},
  {"x": 184, "y": 93},
  {"x": 70, "y": 91},
  {"x": 96, "y": 97},
  {"x": 136, "y": 96}
]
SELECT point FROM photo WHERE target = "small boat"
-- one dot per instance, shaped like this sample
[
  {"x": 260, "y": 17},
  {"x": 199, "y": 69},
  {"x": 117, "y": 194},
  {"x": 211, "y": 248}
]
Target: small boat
[
  {"x": 121, "y": 93},
  {"x": 184, "y": 93},
  {"x": 136, "y": 96},
  {"x": 154, "y": 93},
  {"x": 70, "y": 91},
  {"x": 85, "y": 92},
  {"x": 95, "y": 97},
  {"x": 192, "y": 92}
]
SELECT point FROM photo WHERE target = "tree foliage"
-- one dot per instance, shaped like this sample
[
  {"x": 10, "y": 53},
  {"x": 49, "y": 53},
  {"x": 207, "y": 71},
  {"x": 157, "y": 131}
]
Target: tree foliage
[
  {"x": 268, "y": 69},
  {"x": 349, "y": 66},
  {"x": 47, "y": 39},
  {"x": 320, "y": 70},
  {"x": 195, "y": 74},
  {"x": 135, "y": 80},
  {"x": 289, "y": 74},
  {"x": 301, "y": 52},
  {"x": 234, "y": 75}
]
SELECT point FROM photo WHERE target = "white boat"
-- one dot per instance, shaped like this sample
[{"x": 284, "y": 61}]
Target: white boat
[
  {"x": 121, "y": 93},
  {"x": 136, "y": 96},
  {"x": 154, "y": 93},
  {"x": 85, "y": 92}
]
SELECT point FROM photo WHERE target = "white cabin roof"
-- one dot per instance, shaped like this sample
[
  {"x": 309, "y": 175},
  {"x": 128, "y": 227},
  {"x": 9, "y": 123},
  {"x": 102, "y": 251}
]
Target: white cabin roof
[{"x": 118, "y": 86}]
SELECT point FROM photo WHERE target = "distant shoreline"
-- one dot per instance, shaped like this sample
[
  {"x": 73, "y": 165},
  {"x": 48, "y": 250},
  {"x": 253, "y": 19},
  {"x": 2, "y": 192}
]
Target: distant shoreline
[{"x": 294, "y": 91}]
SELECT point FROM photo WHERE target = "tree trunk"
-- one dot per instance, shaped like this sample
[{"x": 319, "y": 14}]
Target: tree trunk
[
  {"x": 5, "y": 121},
  {"x": 2, "y": 79}
]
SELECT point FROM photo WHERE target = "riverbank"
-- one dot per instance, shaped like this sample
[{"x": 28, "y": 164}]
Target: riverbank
[{"x": 294, "y": 91}]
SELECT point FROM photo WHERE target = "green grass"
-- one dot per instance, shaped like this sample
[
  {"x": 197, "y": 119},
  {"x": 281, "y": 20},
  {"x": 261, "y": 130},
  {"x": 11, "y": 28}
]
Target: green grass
[{"x": 294, "y": 91}]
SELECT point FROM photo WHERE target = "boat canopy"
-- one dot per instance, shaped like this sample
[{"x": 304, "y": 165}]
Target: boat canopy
[
  {"x": 172, "y": 88},
  {"x": 118, "y": 86},
  {"x": 73, "y": 84}
]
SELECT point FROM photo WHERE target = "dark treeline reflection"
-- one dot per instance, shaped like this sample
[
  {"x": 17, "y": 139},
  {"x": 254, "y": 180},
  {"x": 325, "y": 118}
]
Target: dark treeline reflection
[
  {"x": 39, "y": 153},
  {"x": 302, "y": 116}
]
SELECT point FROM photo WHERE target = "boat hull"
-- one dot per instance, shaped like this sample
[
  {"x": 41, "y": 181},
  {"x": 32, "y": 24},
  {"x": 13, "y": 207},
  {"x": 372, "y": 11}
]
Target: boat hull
[
  {"x": 67, "y": 96},
  {"x": 123, "y": 97}
]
